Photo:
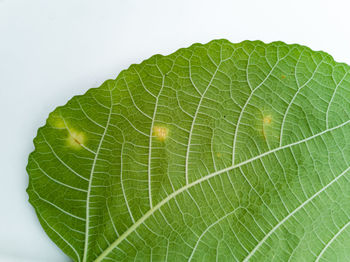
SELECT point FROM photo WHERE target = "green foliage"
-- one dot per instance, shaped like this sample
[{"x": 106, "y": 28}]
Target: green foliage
[{"x": 226, "y": 152}]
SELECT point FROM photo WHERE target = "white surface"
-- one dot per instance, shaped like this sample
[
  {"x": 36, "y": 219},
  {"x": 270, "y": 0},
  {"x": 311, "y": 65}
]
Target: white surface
[{"x": 53, "y": 50}]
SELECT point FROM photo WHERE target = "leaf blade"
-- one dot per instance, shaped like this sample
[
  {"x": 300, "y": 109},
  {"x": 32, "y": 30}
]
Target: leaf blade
[{"x": 219, "y": 145}]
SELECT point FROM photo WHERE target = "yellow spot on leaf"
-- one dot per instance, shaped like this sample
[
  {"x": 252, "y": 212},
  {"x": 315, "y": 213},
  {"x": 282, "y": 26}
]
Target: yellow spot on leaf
[
  {"x": 160, "y": 132},
  {"x": 56, "y": 121},
  {"x": 283, "y": 76},
  {"x": 267, "y": 120},
  {"x": 75, "y": 139}
]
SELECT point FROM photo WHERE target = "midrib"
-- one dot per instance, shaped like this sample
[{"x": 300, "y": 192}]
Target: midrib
[{"x": 179, "y": 191}]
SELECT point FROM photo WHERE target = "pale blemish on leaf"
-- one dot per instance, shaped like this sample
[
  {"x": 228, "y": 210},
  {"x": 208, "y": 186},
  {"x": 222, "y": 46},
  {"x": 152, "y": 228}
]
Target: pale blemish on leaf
[
  {"x": 75, "y": 139},
  {"x": 267, "y": 120},
  {"x": 160, "y": 132},
  {"x": 57, "y": 121}
]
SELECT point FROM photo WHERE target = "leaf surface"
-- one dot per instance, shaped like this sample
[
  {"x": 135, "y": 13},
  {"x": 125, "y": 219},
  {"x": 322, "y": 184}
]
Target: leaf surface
[{"x": 217, "y": 152}]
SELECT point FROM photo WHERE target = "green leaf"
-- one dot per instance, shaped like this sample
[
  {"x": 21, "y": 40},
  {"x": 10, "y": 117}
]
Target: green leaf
[{"x": 226, "y": 152}]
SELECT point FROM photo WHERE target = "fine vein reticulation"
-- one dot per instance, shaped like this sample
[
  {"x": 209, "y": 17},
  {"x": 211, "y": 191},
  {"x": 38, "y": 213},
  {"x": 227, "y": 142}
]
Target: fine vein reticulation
[{"x": 217, "y": 152}]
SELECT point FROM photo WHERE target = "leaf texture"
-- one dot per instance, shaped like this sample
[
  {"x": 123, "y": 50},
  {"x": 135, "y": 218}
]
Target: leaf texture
[{"x": 217, "y": 152}]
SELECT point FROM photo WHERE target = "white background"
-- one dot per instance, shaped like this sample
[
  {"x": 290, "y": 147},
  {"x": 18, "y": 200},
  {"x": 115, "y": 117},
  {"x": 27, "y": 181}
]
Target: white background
[{"x": 53, "y": 50}]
